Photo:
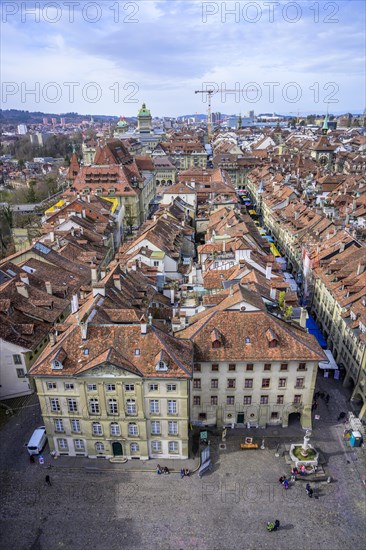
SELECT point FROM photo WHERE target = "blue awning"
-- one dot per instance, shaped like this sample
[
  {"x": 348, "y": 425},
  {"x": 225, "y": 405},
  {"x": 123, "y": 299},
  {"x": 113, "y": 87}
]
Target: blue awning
[{"x": 315, "y": 330}]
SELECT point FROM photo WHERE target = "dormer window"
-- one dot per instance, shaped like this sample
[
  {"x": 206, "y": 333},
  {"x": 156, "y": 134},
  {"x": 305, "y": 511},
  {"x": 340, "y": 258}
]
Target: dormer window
[
  {"x": 161, "y": 366},
  {"x": 56, "y": 365},
  {"x": 247, "y": 340}
]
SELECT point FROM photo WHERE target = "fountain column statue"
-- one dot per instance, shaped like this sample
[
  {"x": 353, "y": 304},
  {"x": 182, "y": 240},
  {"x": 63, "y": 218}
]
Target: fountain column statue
[{"x": 305, "y": 446}]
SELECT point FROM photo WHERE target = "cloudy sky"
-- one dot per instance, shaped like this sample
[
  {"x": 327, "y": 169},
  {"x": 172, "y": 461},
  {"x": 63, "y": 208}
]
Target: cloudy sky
[{"x": 108, "y": 57}]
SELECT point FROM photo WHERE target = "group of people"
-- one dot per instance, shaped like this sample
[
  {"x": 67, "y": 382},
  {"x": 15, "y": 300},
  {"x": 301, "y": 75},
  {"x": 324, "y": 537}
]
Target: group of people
[
  {"x": 323, "y": 395},
  {"x": 162, "y": 469},
  {"x": 318, "y": 394}
]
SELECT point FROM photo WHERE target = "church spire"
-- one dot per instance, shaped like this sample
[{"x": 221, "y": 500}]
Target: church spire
[{"x": 325, "y": 127}]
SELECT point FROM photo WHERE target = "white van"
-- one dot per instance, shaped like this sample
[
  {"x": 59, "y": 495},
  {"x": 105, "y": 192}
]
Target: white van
[{"x": 37, "y": 441}]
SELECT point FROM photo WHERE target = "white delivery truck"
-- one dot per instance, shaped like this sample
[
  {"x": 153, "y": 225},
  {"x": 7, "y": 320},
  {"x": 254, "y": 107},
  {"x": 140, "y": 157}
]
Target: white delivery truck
[{"x": 37, "y": 441}]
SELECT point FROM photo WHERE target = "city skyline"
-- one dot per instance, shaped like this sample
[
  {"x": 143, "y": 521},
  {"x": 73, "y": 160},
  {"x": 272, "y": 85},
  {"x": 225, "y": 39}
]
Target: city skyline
[{"x": 108, "y": 58}]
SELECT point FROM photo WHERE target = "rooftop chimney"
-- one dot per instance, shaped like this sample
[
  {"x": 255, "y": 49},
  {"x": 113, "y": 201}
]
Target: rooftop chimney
[
  {"x": 303, "y": 317},
  {"x": 272, "y": 293},
  {"x": 94, "y": 274},
  {"x": 24, "y": 278},
  {"x": 84, "y": 330},
  {"x": 22, "y": 289},
  {"x": 268, "y": 271},
  {"x": 74, "y": 303},
  {"x": 360, "y": 268},
  {"x": 48, "y": 287},
  {"x": 143, "y": 325},
  {"x": 52, "y": 337}
]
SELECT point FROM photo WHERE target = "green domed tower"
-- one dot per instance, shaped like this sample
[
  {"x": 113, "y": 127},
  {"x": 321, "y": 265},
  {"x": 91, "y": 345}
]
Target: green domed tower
[
  {"x": 121, "y": 127},
  {"x": 144, "y": 120}
]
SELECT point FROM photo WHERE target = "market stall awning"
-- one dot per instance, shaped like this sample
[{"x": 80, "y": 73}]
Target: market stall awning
[
  {"x": 313, "y": 328},
  {"x": 252, "y": 212},
  {"x": 274, "y": 251},
  {"x": 330, "y": 364}
]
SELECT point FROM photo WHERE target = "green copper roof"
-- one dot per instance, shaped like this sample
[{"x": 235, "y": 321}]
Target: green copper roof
[
  {"x": 121, "y": 123},
  {"x": 325, "y": 123},
  {"x": 144, "y": 111}
]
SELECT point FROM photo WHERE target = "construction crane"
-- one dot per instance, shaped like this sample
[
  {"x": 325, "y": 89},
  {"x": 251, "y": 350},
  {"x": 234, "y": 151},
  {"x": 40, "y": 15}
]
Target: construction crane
[{"x": 209, "y": 94}]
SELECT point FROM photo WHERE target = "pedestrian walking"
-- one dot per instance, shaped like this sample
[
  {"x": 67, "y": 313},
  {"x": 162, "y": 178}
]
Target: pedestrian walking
[
  {"x": 31, "y": 459},
  {"x": 48, "y": 480},
  {"x": 327, "y": 397},
  {"x": 286, "y": 484},
  {"x": 341, "y": 416}
]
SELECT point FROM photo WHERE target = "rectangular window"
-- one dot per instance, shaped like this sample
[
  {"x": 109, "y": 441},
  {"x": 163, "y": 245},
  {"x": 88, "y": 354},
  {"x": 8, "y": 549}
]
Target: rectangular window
[
  {"x": 115, "y": 429},
  {"x": 299, "y": 382},
  {"x": 173, "y": 446},
  {"x": 172, "y": 407},
  {"x": 17, "y": 359},
  {"x": 247, "y": 399},
  {"x": 75, "y": 426},
  {"x": 131, "y": 406},
  {"x": 230, "y": 400},
  {"x": 97, "y": 428},
  {"x": 20, "y": 373},
  {"x": 171, "y": 387},
  {"x": 232, "y": 367},
  {"x": 197, "y": 367},
  {"x": 94, "y": 406},
  {"x": 266, "y": 382},
  {"x": 137, "y": 351},
  {"x": 132, "y": 429},
  {"x": 91, "y": 387},
  {"x": 214, "y": 367},
  {"x": 297, "y": 398},
  {"x": 129, "y": 387},
  {"x": 72, "y": 405},
  {"x": 214, "y": 400},
  {"x": 154, "y": 406},
  {"x": 274, "y": 415},
  {"x": 214, "y": 383},
  {"x": 155, "y": 427},
  {"x": 156, "y": 446},
  {"x": 110, "y": 387},
  {"x": 172, "y": 427},
  {"x": 112, "y": 406},
  {"x": 284, "y": 366},
  {"x": 79, "y": 445},
  {"x": 302, "y": 366},
  {"x": 231, "y": 383},
  {"x": 153, "y": 387},
  {"x": 282, "y": 382},
  {"x": 279, "y": 399},
  {"x": 196, "y": 400},
  {"x": 51, "y": 385},
  {"x": 62, "y": 444},
  {"x": 267, "y": 366},
  {"x": 250, "y": 366},
  {"x": 55, "y": 405},
  {"x": 59, "y": 426},
  {"x": 248, "y": 383},
  {"x": 197, "y": 383},
  {"x": 264, "y": 400},
  {"x": 68, "y": 386}
]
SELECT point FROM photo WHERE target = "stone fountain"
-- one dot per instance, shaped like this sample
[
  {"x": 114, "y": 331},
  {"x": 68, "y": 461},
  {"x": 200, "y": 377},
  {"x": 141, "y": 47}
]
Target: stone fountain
[{"x": 304, "y": 454}]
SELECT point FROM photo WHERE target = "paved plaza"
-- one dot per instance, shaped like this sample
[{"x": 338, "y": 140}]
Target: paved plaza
[{"x": 93, "y": 504}]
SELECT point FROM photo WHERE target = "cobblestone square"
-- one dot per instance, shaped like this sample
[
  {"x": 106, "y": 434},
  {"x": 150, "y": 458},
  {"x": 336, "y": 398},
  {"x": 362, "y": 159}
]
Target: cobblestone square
[{"x": 91, "y": 504}]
